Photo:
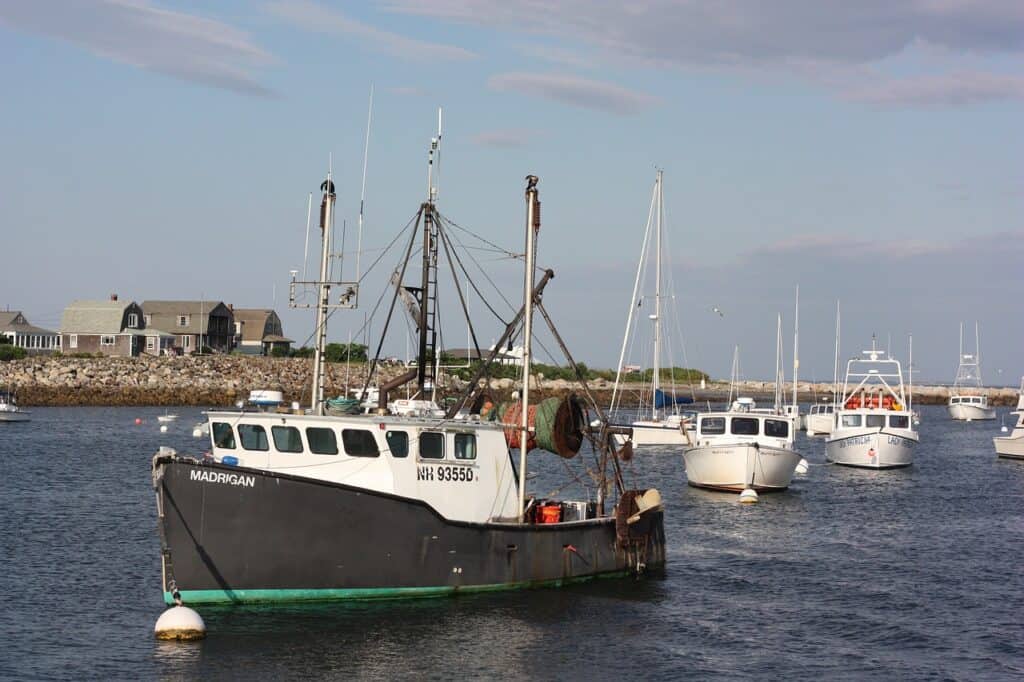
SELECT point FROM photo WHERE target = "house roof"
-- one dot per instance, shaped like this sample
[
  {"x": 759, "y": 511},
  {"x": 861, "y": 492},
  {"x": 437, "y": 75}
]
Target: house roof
[
  {"x": 94, "y": 317},
  {"x": 14, "y": 321},
  {"x": 274, "y": 338},
  {"x": 198, "y": 313},
  {"x": 254, "y": 321}
]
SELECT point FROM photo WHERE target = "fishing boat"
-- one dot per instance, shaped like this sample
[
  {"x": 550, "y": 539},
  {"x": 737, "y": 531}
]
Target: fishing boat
[
  {"x": 873, "y": 427},
  {"x": 1012, "y": 446},
  {"x": 9, "y": 409},
  {"x": 820, "y": 418},
  {"x": 299, "y": 504},
  {"x": 966, "y": 402},
  {"x": 744, "y": 446},
  {"x": 659, "y": 419}
]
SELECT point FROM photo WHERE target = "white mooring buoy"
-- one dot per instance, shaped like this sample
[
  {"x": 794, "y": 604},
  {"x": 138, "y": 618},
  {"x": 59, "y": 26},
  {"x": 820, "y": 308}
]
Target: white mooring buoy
[
  {"x": 802, "y": 466},
  {"x": 1003, "y": 429},
  {"x": 748, "y": 496},
  {"x": 180, "y": 623}
]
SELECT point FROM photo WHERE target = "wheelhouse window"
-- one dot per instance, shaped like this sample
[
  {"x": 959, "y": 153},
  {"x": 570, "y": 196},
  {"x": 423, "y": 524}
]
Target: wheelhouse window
[
  {"x": 253, "y": 437},
  {"x": 851, "y": 420},
  {"x": 465, "y": 446},
  {"x": 322, "y": 441},
  {"x": 875, "y": 420},
  {"x": 286, "y": 438},
  {"x": 359, "y": 443},
  {"x": 899, "y": 421},
  {"x": 712, "y": 426},
  {"x": 744, "y": 426},
  {"x": 398, "y": 443},
  {"x": 431, "y": 445},
  {"x": 776, "y": 428},
  {"x": 223, "y": 436}
]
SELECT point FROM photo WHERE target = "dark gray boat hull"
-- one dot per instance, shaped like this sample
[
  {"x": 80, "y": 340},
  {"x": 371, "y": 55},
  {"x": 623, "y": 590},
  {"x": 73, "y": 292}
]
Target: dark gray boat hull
[{"x": 232, "y": 534}]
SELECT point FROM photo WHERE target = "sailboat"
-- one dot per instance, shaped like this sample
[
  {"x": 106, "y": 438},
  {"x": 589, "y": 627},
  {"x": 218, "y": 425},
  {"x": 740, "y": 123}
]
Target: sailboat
[
  {"x": 966, "y": 402},
  {"x": 305, "y": 505},
  {"x": 9, "y": 409},
  {"x": 744, "y": 446},
  {"x": 660, "y": 421},
  {"x": 874, "y": 428}
]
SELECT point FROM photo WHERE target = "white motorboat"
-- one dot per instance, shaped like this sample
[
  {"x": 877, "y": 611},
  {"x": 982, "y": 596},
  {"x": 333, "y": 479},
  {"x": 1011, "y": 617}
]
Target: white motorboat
[
  {"x": 9, "y": 410},
  {"x": 742, "y": 448},
  {"x": 167, "y": 418},
  {"x": 873, "y": 427},
  {"x": 820, "y": 419},
  {"x": 660, "y": 421},
  {"x": 966, "y": 402},
  {"x": 1012, "y": 446}
]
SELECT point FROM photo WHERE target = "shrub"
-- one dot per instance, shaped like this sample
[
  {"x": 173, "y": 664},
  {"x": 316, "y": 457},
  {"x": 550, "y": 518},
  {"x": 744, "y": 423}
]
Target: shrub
[
  {"x": 9, "y": 352},
  {"x": 278, "y": 352},
  {"x": 302, "y": 352},
  {"x": 341, "y": 352}
]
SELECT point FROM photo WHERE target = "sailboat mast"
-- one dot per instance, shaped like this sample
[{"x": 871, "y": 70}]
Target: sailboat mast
[
  {"x": 656, "y": 380},
  {"x": 532, "y": 226},
  {"x": 778, "y": 364},
  {"x": 977, "y": 354},
  {"x": 326, "y": 220},
  {"x": 796, "y": 348}
]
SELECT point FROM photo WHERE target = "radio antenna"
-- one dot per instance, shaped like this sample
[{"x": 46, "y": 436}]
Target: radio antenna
[{"x": 362, "y": 194}]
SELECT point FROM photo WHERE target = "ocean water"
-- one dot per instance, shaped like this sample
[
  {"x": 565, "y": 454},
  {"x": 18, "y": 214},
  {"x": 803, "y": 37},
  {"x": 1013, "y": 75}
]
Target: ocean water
[{"x": 906, "y": 574}]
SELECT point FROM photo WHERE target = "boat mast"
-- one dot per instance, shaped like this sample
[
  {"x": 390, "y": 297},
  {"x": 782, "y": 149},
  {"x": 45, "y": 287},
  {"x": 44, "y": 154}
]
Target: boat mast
[
  {"x": 835, "y": 364},
  {"x": 532, "y": 226},
  {"x": 425, "y": 365},
  {"x": 778, "y": 364},
  {"x": 977, "y": 354},
  {"x": 324, "y": 296},
  {"x": 796, "y": 349},
  {"x": 656, "y": 379}
]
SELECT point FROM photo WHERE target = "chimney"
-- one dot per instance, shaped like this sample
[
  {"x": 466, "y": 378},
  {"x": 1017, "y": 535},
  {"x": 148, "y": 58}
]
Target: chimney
[
  {"x": 113, "y": 297},
  {"x": 231, "y": 307}
]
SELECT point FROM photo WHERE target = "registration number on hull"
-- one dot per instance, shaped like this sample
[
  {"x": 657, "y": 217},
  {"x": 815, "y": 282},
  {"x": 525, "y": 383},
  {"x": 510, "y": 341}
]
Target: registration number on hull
[{"x": 461, "y": 474}]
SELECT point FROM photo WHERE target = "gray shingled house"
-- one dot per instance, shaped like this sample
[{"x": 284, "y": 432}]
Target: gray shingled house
[
  {"x": 258, "y": 331},
  {"x": 23, "y": 334},
  {"x": 194, "y": 324},
  {"x": 108, "y": 327}
]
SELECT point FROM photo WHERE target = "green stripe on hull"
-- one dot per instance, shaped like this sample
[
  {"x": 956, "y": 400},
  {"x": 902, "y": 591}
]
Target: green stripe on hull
[{"x": 367, "y": 593}]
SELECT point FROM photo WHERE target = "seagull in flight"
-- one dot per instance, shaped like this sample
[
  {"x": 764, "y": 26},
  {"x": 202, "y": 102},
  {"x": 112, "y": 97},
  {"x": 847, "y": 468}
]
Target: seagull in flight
[{"x": 716, "y": 309}]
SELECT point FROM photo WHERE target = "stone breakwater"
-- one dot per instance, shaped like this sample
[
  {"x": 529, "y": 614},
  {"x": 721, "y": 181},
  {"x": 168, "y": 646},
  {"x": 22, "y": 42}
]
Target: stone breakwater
[{"x": 224, "y": 379}]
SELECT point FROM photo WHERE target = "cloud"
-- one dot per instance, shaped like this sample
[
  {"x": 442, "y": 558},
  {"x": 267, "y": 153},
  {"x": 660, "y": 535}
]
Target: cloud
[
  {"x": 749, "y": 31},
  {"x": 948, "y": 90},
  {"x": 846, "y": 247},
  {"x": 135, "y": 32},
  {"x": 575, "y": 91},
  {"x": 508, "y": 138},
  {"x": 316, "y": 18}
]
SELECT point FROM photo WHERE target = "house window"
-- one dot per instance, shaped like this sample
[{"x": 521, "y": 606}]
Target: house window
[
  {"x": 73, "y": 341},
  {"x": 149, "y": 319},
  {"x": 133, "y": 321},
  {"x": 359, "y": 443},
  {"x": 186, "y": 342},
  {"x": 182, "y": 320},
  {"x": 108, "y": 340},
  {"x": 150, "y": 343}
]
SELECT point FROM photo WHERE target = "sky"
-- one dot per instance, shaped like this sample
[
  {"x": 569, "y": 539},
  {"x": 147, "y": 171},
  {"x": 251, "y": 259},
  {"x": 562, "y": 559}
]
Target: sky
[{"x": 869, "y": 152}]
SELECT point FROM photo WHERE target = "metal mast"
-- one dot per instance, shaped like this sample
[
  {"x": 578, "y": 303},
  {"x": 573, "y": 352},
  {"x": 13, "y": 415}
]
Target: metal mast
[
  {"x": 324, "y": 295},
  {"x": 427, "y": 356},
  {"x": 796, "y": 349},
  {"x": 532, "y": 227},
  {"x": 656, "y": 380}
]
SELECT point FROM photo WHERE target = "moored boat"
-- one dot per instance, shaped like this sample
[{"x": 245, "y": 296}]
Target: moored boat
[
  {"x": 966, "y": 401},
  {"x": 1012, "y": 446},
  {"x": 9, "y": 409},
  {"x": 305, "y": 505},
  {"x": 873, "y": 427},
  {"x": 820, "y": 419}
]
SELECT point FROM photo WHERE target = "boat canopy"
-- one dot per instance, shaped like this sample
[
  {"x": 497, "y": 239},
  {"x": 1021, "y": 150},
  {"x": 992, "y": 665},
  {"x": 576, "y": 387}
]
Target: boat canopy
[{"x": 662, "y": 399}]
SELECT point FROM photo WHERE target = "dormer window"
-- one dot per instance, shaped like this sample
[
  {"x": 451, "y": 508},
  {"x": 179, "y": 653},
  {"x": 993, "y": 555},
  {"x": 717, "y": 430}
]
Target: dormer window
[
  {"x": 182, "y": 320},
  {"x": 133, "y": 321}
]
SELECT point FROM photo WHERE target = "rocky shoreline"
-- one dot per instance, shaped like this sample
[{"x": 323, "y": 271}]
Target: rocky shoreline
[{"x": 224, "y": 379}]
